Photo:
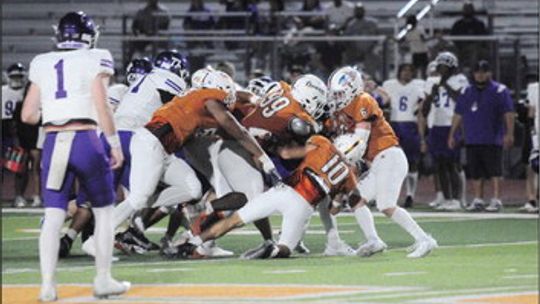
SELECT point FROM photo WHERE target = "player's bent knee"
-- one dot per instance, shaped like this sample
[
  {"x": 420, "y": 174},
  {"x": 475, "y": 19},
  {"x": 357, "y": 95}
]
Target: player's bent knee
[{"x": 388, "y": 211}]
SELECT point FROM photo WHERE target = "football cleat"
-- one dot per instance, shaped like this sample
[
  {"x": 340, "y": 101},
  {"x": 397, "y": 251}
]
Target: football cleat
[
  {"x": 301, "y": 248},
  {"x": 371, "y": 247},
  {"x": 36, "y": 202},
  {"x": 19, "y": 202},
  {"x": 47, "y": 294},
  {"x": 259, "y": 251},
  {"x": 528, "y": 208},
  {"x": 210, "y": 249},
  {"x": 135, "y": 237},
  {"x": 65, "y": 246},
  {"x": 449, "y": 205},
  {"x": 106, "y": 287},
  {"x": 495, "y": 205},
  {"x": 423, "y": 247},
  {"x": 339, "y": 249},
  {"x": 477, "y": 205}
]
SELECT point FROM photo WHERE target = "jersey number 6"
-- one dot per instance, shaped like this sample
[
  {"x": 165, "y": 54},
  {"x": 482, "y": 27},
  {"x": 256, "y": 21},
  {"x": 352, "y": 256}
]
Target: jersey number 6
[{"x": 272, "y": 105}]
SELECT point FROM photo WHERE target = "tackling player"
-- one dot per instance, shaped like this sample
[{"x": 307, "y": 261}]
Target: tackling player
[
  {"x": 68, "y": 91},
  {"x": 360, "y": 115}
]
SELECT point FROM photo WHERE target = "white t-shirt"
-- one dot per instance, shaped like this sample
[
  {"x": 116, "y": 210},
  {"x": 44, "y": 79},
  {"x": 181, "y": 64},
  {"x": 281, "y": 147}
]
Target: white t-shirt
[
  {"x": 143, "y": 99},
  {"x": 404, "y": 100},
  {"x": 532, "y": 97},
  {"x": 10, "y": 99},
  {"x": 65, "y": 81},
  {"x": 442, "y": 107}
]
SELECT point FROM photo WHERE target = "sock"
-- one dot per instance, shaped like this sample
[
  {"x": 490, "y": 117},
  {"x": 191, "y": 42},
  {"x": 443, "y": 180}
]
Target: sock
[
  {"x": 49, "y": 243},
  {"x": 413, "y": 178},
  {"x": 72, "y": 234},
  {"x": 463, "y": 179},
  {"x": 404, "y": 219},
  {"x": 104, "y": 238},
  {"x": 175, "y": 195},
  {"x": 121, "y": 213},
  {"x": 330, "y": 225},
  {"x": 365, "y": 221}
]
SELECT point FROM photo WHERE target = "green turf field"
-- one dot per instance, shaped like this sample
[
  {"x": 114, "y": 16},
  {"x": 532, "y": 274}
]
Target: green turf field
[{"x": 492, "y": 259}]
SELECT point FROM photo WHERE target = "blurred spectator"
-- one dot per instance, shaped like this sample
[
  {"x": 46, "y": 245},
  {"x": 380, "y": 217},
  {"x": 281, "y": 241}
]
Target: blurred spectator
[
  {"x": 362, "y": 52},
  {"x": 530, "y": 149},
  {"x": 148, "y": 21},
  {"x": 227, "y": 68},
  {"x": 437, "y": 44},
  {"x": 469, "y": 52},
  {"x": 338, "y": 12},
  {"x": 248, "y": 23},
  {"x": 486, "y": 111},
  {"x": 416, "y": 40},
  {"x": 315, "y": 22},
  {"x": 294, "y": 73},
  {"x": 198, "y": 22}
]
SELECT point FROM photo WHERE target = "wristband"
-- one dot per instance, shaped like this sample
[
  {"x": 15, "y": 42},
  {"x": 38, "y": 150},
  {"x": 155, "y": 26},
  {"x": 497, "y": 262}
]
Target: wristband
[{"x": 114, "y": 141}]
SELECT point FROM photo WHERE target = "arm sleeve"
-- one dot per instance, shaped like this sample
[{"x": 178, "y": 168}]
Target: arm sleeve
[
  {"x": 507, "y": 102},
  {"x": 33, "y": 74},
  {"x": 460, "y": 104},
  {"x": 106, "y": 63}
]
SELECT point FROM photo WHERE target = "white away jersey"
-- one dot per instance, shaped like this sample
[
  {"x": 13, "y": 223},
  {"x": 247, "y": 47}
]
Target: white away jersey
[
  {"x": 403, "y": 100},
  {"x": 143, "y": 99},
  {"x": 65, "y": 81},
  {"x": 442, "y": 107},
  {"x": 115, "y": 93},
  {"x": 10, "y": 99},
  {"x": 532, "y": 97}
]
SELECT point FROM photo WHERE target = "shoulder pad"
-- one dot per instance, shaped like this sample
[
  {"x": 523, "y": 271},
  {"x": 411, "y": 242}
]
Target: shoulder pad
[{"x": 300, "y": 127}]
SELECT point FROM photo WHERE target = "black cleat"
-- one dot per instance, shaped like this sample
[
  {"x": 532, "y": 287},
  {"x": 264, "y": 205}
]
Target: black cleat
[
  {"x": 264, "y": 251},
  {"x": 65, "y": 246},
  {"x": 135, "y": 237},
  {"x": 408, "y": 202}
]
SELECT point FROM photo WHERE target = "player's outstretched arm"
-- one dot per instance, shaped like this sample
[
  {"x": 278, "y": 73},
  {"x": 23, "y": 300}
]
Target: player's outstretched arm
[
  {"x": 31, "y": 112},
  {"x": 105, "y": 118}
]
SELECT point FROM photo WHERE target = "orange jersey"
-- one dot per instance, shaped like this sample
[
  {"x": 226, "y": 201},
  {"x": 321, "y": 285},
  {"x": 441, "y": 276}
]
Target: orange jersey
[
  {"x": 328, "y": 165},
  {"x": 365, "y": 109},
  {"x": 275, "y": 112},
  {"x": 185, "y": 114},
  {"x": 242, "y": 110}
]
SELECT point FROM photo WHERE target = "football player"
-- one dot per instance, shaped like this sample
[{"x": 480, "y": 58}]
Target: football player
[
  {"x": 405, "y": 96},
  {"x": 136, "y": 69},
  {"x": 68, "y": 91},
  {"x": 323, "y": 171},
  {"x": 438, "y": 108},
  {"x": 360, "y": 115}
]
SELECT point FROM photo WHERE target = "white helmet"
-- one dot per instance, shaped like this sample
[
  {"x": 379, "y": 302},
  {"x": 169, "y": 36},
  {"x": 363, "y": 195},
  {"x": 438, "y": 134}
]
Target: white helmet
[
  {"x": 198, "y": 76},
  {"x": 432, "y": 67},
  {"x": 344, "y": 85},
  {"x": 310, "y": 91},
  {"x": 220, "y": 80},
  {"x": 351, "y": 146},
  {"x": 448, "y": 59},
  {"x": 257, "y": 85}
]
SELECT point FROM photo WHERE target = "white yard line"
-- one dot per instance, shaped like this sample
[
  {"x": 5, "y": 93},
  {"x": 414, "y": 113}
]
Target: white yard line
[
  {"x": 400, "y": 274},
  {"x": 284, "y": 271},
  {"x": 521, "y": 276},
  {"x": 183, "y": 269}
]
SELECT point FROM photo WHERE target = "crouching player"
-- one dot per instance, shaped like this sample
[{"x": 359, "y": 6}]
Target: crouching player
[
  {"x": 323, "y": 171},
  {"x": 359, "y": 114}
]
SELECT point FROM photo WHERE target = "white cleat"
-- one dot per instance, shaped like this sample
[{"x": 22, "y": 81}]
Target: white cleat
[
  {"x": 36, "y": 202},
  {"x": 528, "y": 208},
  {"x": 20, "y": 202},
  {"x": 477, "y": 205},
  {"x": 436, "y": 203},
  {"x": 449, "y": 205},
  {"x": 495, "y": 205},
  {"x": 106, "y": 287},
  {"x": 210, "y": 249},
  {"x": 47, "y": 294},
  {"x": 371, "y": 247},
  {"x": 423, "y": 248},
  {"x": 339, "y": 249}
]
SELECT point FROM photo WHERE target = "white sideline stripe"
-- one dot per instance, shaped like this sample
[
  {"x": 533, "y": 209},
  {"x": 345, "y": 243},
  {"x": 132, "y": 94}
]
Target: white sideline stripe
[
  {"x": 521, "y": 276},
  {"x": 399, "y": 274},
  {"x": 170, "y": 269},
  {"x": 285, "y": 271},
  {"x": 467, "y": 297},
  {"x": 376, "y": 214}
]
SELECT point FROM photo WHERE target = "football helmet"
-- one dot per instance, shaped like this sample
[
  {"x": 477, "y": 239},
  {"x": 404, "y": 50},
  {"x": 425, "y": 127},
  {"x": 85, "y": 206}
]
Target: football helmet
[
  {"x": 351, "y": 145},
  {"x": 174, "y": 62},
  {"x": 256, "y": 85},
  {"x": 16, "y": 74},
  {"x": 199, "y": 75},
  {"x": 448, "y": 59},
  {"x": 310, "y": 91},
  {"x": 76, "y": 30},
  {"x": 222, "y": 81},
  {"x": 137, "y": 68},
  {"x": 344, "y": 85}
]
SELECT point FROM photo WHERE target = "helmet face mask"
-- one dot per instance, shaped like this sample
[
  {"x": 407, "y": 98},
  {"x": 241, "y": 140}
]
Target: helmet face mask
[
  {"x": 446, "y": 59},
  {"x": 256, "y": 85},
  {"x": 16, "y": 74},
  {"x": 136, "y": 69},
  {"x": 76, "y": 30}
]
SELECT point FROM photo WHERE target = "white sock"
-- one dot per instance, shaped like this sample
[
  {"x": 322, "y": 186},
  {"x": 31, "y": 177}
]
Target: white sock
[
  {"x": 412, "y": 184},
  {"x": 121, "y": 213},
  {"x": 365, "y": 221},
  {"x": 175, "y": 195},
  {"x": 49, "y": 243},
  {"x": 330, "y": 225},
  {"x": 104, "y": 238},
  {"x": 463, "y": 179},
  {"x": 404, "y": 219},
  {"x": 72, "y": 234},
  {"x": 439, "y": 197}
]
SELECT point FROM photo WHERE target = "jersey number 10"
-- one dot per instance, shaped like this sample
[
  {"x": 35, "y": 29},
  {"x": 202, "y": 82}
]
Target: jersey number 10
[
  {"x": 60, "y": 91},
  {"x": 336, "y": 170}
]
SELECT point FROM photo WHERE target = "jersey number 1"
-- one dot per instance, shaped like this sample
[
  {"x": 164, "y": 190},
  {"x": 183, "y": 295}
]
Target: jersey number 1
[
  {"x": 60, "y": 92},
  {"x": 336, "y": 170}
]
